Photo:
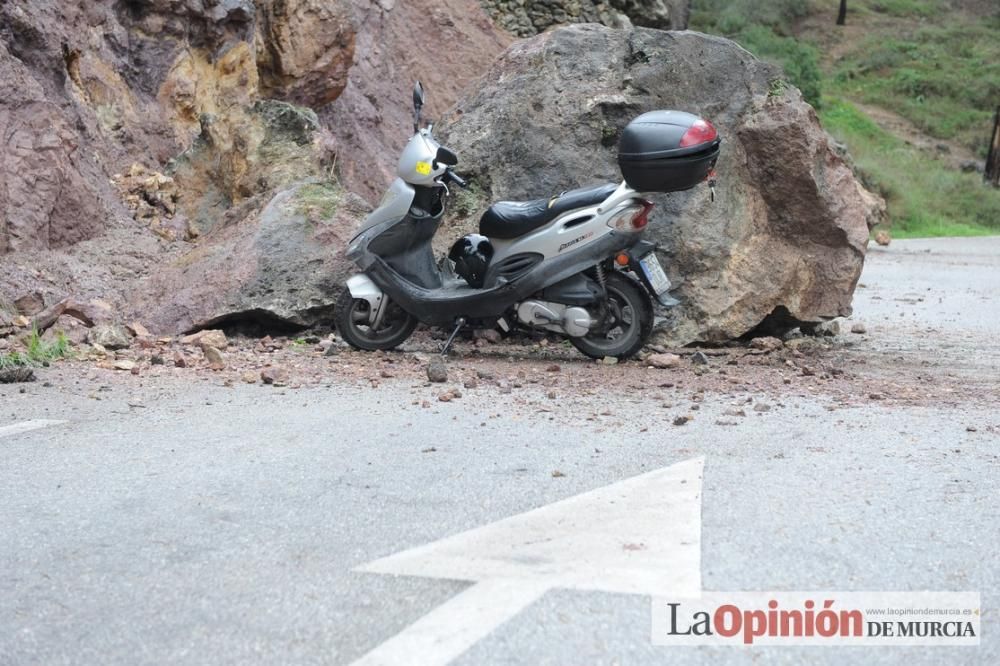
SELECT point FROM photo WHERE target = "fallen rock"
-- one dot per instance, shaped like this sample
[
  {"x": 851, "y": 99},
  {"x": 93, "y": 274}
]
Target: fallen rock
[
  {"x": 883, "y": 238},
  {"x": 30, "y": 304},
  {"x": 285, "y": 264},
  {"x": 109, "y": 336},
  {"x": 216, "y": 361},
  {"x": 785, "y": 254},
  {"x": 766, "y": 344},
  {"x": 249, "y": 377},
  {"x": 138, "y": 330},
  {"x": 830, "y": 329},
  {"x": 437, "y": 371},
  {"x": 275, "y": 376},
  {"x": 206, "y": 338},
  {"x": 16, "y": 375},
  {"x": 681, "y": 420},
  {"x": 124, "y": 364},
  {"x": 664, "y": 360},
  {"x": 70, "y": 327},
  {"x": 699, "y": 358},
  {"x": 859, "y": 328},
  {"x": 20, "y": 321}
]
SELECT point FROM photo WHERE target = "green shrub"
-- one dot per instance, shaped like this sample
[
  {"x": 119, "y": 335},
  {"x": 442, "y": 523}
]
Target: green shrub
[
  {"x": 37, "y": 351},
  {"x": 925, "y": 196}
]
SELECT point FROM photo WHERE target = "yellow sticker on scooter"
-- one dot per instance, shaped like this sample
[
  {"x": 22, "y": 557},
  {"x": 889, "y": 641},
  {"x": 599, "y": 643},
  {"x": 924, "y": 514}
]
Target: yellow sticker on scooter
[{"x": 424, "y": 168}]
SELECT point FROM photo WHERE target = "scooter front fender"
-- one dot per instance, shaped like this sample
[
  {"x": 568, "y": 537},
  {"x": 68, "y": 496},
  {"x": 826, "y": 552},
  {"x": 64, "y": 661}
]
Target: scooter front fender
[{"x": 362, "y": 287}]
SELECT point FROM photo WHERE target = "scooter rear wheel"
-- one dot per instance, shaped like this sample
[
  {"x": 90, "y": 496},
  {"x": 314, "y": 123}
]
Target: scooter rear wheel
[
  {"x": 627, "y": 324},
  {"x": 351, "y": 316}
]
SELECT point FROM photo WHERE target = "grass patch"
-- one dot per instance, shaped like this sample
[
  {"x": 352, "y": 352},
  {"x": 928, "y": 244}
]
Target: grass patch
[
  {"x": 321, "y": 199},
  {"x": 925, "y": 197},
  {"x": 762, "y": 27},
  {"x": 37, "y": 352},
  {"x": 944, "y": 78}
]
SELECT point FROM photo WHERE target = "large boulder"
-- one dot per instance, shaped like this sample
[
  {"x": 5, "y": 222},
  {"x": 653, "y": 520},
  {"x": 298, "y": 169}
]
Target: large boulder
[
  {"x": 281, "y": 266},
  {"x": 785, "y": 240},
  {"x": 529, "y": 18}
]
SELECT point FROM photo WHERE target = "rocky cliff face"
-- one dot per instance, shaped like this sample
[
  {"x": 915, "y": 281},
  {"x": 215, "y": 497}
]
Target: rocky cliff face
[
  {"x": 132, "y": 131},
  {"x": 785, "y": 240},
  {"x": 524, "y": 19}
]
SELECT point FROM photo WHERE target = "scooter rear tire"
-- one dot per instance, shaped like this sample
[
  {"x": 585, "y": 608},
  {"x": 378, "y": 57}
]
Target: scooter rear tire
[
  {"x": 634, "y": 316},
  {"x": 350, "y": 316}
]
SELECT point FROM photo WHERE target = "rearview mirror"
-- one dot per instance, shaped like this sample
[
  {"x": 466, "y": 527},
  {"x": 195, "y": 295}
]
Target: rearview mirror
[
  {"x": 418, "y": 103},
  {"x": 446, "y": 157}
]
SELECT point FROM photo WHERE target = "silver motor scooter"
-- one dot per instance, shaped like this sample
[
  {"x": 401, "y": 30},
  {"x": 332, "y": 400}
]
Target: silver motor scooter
[{"x": 574, "y": 264}]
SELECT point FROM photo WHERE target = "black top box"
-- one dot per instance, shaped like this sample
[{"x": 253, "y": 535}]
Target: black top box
[{"x": 667, "y": 151}]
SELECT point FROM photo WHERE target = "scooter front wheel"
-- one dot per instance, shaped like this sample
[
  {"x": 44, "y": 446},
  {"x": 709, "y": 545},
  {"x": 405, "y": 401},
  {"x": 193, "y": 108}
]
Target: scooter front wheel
[{"x": 353, "y": 319}]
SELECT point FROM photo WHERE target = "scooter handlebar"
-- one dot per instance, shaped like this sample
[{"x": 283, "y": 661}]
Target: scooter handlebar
[{"x": 451, "y": 176}]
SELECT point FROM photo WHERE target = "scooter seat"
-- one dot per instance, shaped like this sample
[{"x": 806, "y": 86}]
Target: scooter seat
[{"x": 511, "y": 219}]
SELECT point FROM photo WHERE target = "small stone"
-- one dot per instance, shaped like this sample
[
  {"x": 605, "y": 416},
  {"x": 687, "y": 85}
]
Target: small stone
[
  {"x": 139, "y": 330},
  {"x": 30, "y": 304},
  {"x": 16, "y": 375},
  {"x": 21, "y": 321},
  {"x": 808, "y": 372},
  {"x": 491, "y": 335},
  {"x": 124, "y": 364},
  {"x": 485, "y": 375},
  {"x": 249, "y": 376},
  {"x": 762, "y": 407},
  {"x": 553, "y": 368},
  {"x": 681, "y": 420},
  {"x": 551, "y": 395},
  {"x": 766, "y": 344},
  {"x": 699, "y": 358},
  {"x": 470, "y": 384},
  {"x": 858, "y": 328},
  {"x": 733, "y": 411},
  {"x": 275, "y": 376},
  {"x": 610, "y": 360},
  {"x": 875, "y": 396},
  {"x": 556, "y": 474},
  {"x": 437, "y": 371},
  {"x": 883, "y": 238},
  {"x": 109, "y": 336},
  {"x": 829, "y": 329},
  {"x": 445, "y": 397},
  {"x": 971, "y": 429},
  {"x": 456, "y": 393},
  {"x": 208, "y": 337},
  {"x": 156, "y": 359},
  {"x": 664, "y": 360},
  {"x": 214, "y": 357},
  {"x": 180, "y": 360}
]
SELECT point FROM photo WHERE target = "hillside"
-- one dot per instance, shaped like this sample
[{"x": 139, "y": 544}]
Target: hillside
[{"x": 908, "y": 86}]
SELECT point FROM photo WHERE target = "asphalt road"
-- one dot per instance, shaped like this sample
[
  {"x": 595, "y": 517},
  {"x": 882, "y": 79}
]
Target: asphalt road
[{"x": 224, "y": 525}]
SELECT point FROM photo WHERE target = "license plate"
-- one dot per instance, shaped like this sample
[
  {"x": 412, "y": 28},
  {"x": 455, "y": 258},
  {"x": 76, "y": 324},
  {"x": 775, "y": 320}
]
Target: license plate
[{"x": 654, "y": 273}]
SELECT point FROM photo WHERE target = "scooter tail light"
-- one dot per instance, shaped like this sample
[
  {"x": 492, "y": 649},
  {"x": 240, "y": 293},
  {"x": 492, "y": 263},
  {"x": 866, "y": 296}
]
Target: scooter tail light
[
  {"x": 701, "y": 131},
  {"x": 633, "y": 218}
]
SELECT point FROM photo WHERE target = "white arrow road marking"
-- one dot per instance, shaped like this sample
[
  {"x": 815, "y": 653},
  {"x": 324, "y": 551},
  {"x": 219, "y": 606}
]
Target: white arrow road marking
[
  {"x": 638, "y": 536},
  {"x": 26, "y": 426}
]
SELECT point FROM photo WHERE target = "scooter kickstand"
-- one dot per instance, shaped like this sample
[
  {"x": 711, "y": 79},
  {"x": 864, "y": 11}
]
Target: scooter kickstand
[{"x": 459, "y": 324}]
